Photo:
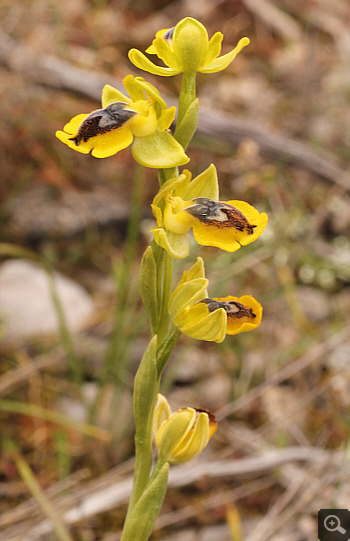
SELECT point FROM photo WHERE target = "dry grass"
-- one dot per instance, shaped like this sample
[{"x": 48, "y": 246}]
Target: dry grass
[{"x": 282, "y": 392}]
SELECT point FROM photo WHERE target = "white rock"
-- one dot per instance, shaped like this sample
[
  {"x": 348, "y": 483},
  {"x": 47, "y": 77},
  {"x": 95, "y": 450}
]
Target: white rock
[{"x": 26, "y": 306}]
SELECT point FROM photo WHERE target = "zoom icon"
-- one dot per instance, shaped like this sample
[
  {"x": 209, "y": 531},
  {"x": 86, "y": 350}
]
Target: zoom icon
[{"x": 334, "y": 525}]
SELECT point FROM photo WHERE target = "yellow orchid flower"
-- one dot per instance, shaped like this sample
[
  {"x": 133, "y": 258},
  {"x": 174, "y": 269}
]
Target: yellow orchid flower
[
  {"x": 143, "y": 119},
  {"x": 186, "y": 48},
  {"x": 204, "y": 318},
  {"x": 181, "y": 204},
  {"x": 182, "y": 435}
]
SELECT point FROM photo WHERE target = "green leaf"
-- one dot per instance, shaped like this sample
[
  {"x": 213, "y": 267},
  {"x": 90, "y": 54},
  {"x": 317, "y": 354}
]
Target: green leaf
[
  {"x": 148, "y": 287},
  {"x": 145, "y": 391},
  {"x": 141, "y": 521}
]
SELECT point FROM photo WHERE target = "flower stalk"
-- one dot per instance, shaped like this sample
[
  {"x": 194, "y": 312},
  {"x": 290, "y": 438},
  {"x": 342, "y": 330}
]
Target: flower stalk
[{"x": 142, "y": 119}]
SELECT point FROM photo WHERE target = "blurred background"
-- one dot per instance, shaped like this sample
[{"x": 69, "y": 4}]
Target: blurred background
[{"x": 276, "y": 125}]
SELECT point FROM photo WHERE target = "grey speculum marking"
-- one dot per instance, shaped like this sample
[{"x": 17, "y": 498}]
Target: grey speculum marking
[
  {"x": 220, "y": 214},
  {"x": 168, "y": 35},
  {"x": 102, "y": 121},
  {"x": 234, "y": 309}
]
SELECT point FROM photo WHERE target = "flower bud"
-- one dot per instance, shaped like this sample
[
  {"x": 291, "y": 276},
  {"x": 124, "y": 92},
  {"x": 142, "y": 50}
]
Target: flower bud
[{"x": 183, "y": 434}]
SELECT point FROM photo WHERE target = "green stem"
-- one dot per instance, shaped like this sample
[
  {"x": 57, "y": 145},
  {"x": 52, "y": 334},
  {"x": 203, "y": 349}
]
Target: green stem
[
  {"x": 165, "y": 174},
  {"x": 143, "y": 462},
  {"x": 166, "y": 348},
  {"x": 167, "y": 338},
  {"x": 145, "y": 395},
  {"x": 187, "y": 96},
  {"x": 140, "y": 523},
  {"x": 164, "y": 318}
]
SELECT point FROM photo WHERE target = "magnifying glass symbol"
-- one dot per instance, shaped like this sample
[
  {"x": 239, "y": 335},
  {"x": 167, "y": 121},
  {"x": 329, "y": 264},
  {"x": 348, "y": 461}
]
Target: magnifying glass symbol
[{"x": 332, "y": 524}]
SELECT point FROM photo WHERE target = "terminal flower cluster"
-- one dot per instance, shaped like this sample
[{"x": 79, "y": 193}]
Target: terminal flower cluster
[{"x": 186, "y": 48}]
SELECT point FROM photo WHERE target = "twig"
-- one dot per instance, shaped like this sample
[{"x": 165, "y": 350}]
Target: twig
[
  {"x": 229, "y": 496},
  {"x": 299, "y": 497},
  {"x": 286, "y": 372},
  {"x": 118, "y": 493}
]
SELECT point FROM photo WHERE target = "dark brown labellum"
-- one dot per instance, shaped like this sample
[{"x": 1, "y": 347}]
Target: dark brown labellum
[
  {"x": 219, "y": 214},
  {"x": 234, "y": 309},
  {"x": 103, "y": 121}
]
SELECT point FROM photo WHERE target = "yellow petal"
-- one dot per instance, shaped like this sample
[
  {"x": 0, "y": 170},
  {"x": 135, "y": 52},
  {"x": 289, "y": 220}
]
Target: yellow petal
[
  {"x": 187, "y": 294},
  {"x": 214, "y": 48},
  {"x": 198, "y": 439},
  {"x": 162, "y": 412},
  {"x": 212, "y": 236},
  {"x": 196, "y": 271},
  {"x": 100, "y": 146},
  {"x": 73, "y": 125},
  {"x": 204, "y": 185},
  {"x": 151, "y": 49},
  {"x": 159, "y": 150},
  {"x": 190, "y": 44},
  {"x": 165, "y": 53},
  {"x": 166, "y": 118},
  {"x": 142, "y": 62},
  {"x": 173, "y": 431},
  {"x": 110, "y": 143},
  {"x": 176, "y": 245},
  {"x": 254, "y": 217},
  {"x": 112, "y": 95},
  {"x": 226, "y": 236},
  {"x": 211, "y": 328},
  {"x": 157, "y": 213},
  {"x": 222, "y": 62}
]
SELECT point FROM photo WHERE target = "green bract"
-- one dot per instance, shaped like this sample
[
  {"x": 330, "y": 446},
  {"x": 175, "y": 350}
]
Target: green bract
[{"x": 188, "y": 50}]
